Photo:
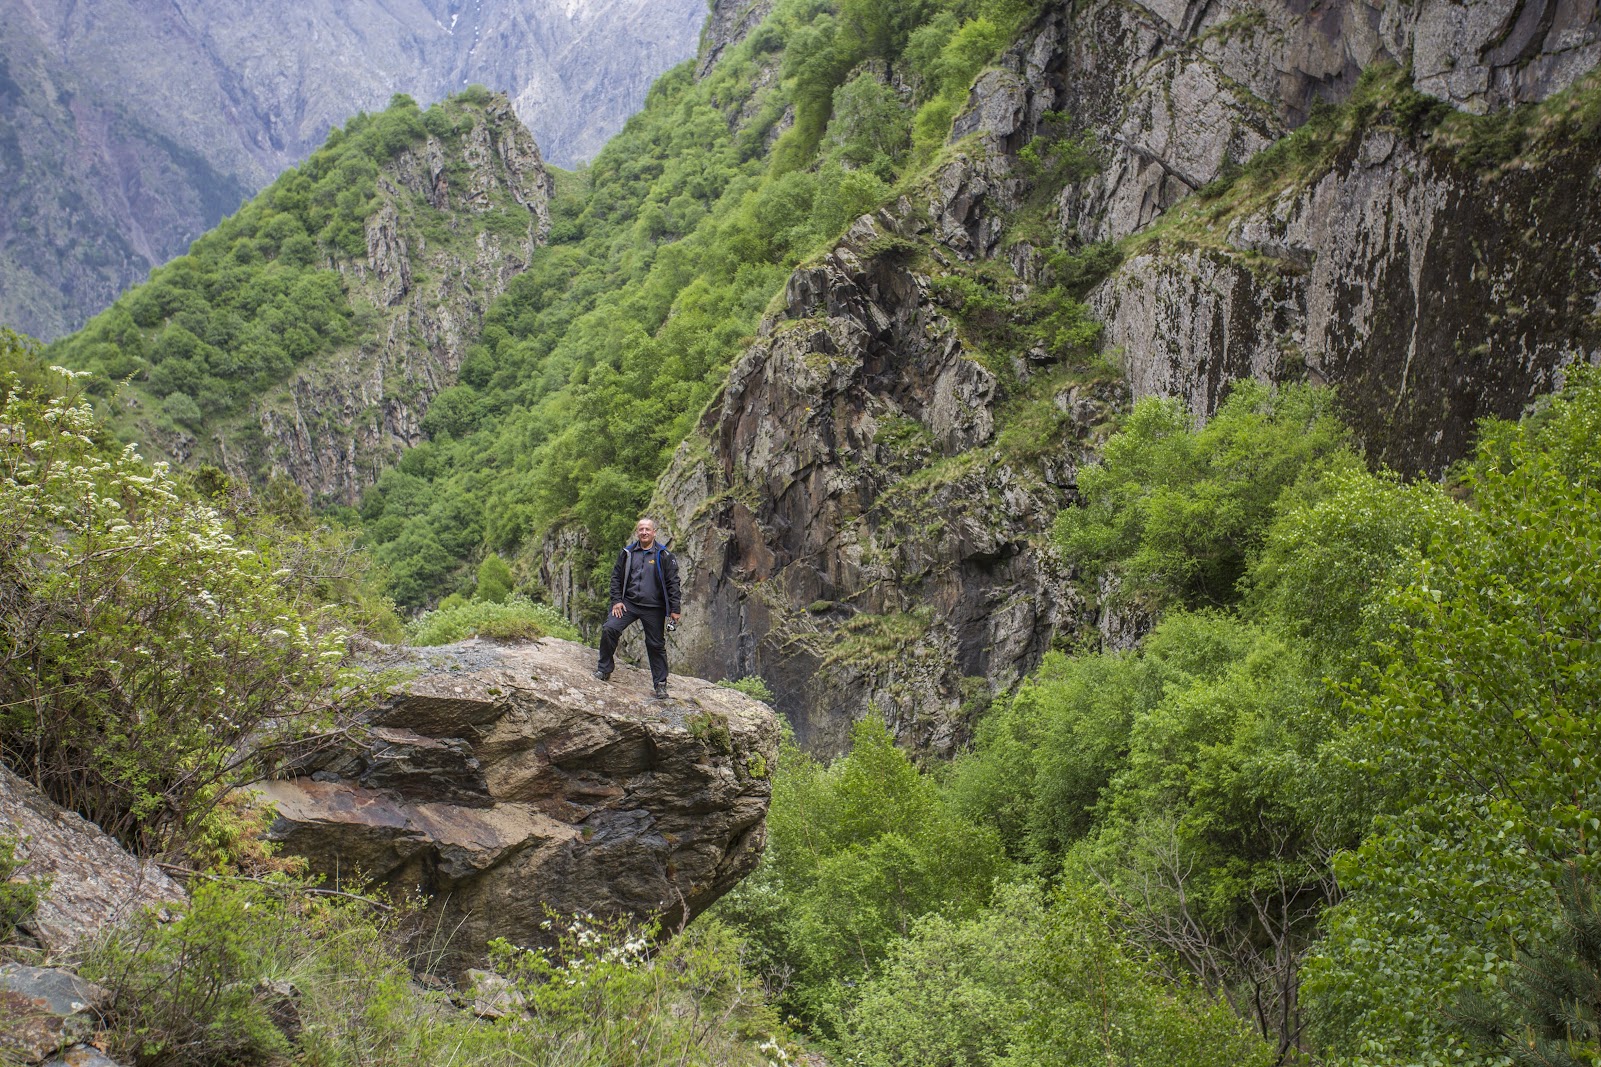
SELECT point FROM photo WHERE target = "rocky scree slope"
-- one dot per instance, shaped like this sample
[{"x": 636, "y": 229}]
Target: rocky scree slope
[
  {"x": 503, "y": 781},
  {"x": 855, "y": 520},
  {"x": 128, "y": 129}
]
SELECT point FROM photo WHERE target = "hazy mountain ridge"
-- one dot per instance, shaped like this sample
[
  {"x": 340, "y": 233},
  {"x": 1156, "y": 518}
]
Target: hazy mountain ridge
[{"x": 131, "y": 129}]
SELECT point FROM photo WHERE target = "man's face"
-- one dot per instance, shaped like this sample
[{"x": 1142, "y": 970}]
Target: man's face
[{"x": 645, "y": 533}]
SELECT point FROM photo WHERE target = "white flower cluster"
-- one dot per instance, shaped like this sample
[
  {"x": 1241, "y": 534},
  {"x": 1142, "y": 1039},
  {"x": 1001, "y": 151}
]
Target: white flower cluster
[{"x": 777, "y": 1055}]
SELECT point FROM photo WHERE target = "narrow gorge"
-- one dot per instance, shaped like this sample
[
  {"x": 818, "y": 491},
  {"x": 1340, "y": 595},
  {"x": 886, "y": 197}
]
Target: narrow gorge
[{"x": 1132, "y": 470}]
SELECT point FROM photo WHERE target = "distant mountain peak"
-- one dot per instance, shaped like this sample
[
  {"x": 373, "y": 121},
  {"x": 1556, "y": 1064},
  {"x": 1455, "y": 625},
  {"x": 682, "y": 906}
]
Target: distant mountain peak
[{"x": 136, "y": 127}]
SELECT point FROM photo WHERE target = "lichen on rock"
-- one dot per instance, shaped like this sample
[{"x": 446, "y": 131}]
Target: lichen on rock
[{"x": 93, "y": 881}]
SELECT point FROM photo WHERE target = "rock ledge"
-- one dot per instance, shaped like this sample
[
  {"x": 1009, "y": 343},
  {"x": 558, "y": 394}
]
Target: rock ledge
[{"x": 504, "y": 779}]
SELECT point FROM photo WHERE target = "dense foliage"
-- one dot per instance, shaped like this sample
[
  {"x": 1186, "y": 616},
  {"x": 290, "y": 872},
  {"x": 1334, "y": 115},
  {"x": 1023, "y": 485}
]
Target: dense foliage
[
  {"x": 1177, "y": 510},
  {"x": 513, "y": 618},
  {"x": 278, "y": 972},
  {"x": 1481, "y": 729},
  {"x": 1351, "y": 798},
  {"x": 858, "y": 852},
  {"x": 159, "y": 646},
  {"x": 897, "y": 931},
  {"x": 662, "y": 257}
]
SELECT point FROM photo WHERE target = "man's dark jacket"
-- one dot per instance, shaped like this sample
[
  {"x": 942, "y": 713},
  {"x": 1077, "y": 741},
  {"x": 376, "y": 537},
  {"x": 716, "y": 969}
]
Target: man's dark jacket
[{"x": 666, "y": 576}]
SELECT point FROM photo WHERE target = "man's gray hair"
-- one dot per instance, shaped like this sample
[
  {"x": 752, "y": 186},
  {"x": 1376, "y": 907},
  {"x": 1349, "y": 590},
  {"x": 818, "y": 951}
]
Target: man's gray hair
[{"x": 654, "y": 525}]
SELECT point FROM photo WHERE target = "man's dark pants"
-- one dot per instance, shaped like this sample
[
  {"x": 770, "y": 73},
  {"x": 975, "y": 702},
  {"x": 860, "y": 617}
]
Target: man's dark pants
[{"x": 653, "y": 620}]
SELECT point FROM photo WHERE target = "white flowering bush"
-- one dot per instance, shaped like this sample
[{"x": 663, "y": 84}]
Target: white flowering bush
[
  {"x": 152, "y": 652},
  {"x": 611, "y": 993}
]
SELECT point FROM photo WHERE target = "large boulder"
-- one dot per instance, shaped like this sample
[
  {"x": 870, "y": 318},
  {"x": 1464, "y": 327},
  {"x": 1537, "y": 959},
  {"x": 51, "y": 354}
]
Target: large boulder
[
  {"x": 504, "y": 780},
  {"x": 93, "y": 880}
]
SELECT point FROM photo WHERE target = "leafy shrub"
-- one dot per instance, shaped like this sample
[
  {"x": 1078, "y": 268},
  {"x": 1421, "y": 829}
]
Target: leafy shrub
[
  {"x": 868, "y": 128},
  {"x": 1339, "y": 545},
  {"x": 1037, "y": 981},
  {"x": 157, "y": 650},
  {"x": 1480, "y": 731},
  {"x": 494, "y": 580},
  {"x": 1178, "y": 511},
  {"x": 751, "y": 685},
  {"x": 19, "y": 896},
  {"x": 517, "y": 618},
  {"x": 858, "y": 851},
  {"x": 268, "y": 972},
  {"x": 611, "y": 993}
]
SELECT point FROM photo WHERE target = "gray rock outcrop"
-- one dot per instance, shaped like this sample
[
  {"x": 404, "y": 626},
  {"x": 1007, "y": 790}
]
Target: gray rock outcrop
[
  {"x": 503, "y": 781},
  {"x": 1432, "y": 295},
  {"x": 1176, "y": 94},
  {"x": 44, "y": 1010},
  {"x": 93, "y": 881},
  {"x": 80, "y": 1056}
]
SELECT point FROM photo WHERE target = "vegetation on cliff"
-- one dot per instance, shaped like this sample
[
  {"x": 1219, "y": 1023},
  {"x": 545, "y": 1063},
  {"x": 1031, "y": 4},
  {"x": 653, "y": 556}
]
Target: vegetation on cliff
[
  {"x": 1336, "y": 806},
  {"x": 663, "y": 255},
  {"x": 1351, "y": 795},
  {"x": 281, "y": 281}
]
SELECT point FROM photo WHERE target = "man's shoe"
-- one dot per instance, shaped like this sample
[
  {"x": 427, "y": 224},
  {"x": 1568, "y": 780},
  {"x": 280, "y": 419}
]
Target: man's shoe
[
  {"x": 661, "y": 690},
  {"x": 602, "y": 676}
]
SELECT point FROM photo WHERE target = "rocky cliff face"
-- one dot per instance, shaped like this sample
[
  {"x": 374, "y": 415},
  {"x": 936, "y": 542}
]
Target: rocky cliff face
[
  {"x": 128, "y": 129},
  {"x": 452, "y": 227},
  {"x": 1175, "y": 95},
  {"x": 852, "y": 527},
  {"x": 863, "y": 513},
  {"x": 729, "y": 23},
  {"x": 502, "y": 781},
  {"x": 1431, "y": 294}
]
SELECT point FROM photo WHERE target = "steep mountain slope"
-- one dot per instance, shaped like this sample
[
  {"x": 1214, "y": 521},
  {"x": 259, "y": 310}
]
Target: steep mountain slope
[
  {"x": 1065, "y": 208},
  {"x": 1384, "y": 248},
  {"x": 128, "y": 129},
  {"x": 309, "y": 332}
]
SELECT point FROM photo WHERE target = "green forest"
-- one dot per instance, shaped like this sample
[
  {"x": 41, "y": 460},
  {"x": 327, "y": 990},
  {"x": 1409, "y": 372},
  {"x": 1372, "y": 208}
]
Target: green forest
[
  {"x": 1344, "y": 788},
  {"x": 1335, "y": 807}
]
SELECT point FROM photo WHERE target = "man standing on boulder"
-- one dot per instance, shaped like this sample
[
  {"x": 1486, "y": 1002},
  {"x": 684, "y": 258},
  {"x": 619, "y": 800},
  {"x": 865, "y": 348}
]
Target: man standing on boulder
[{"x": 644, "y": 586}]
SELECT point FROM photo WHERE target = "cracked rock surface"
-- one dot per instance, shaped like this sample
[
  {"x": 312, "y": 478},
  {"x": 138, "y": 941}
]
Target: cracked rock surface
[
  {"x": 504, "y": 780},
  {"x": 93, "y": 880}
]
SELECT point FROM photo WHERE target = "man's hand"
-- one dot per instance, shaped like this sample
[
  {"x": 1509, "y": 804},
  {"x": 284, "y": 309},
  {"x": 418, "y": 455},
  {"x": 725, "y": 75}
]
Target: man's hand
[
  {"x": 617, "y": 611},
  {"x": 677, "y": 616}
]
